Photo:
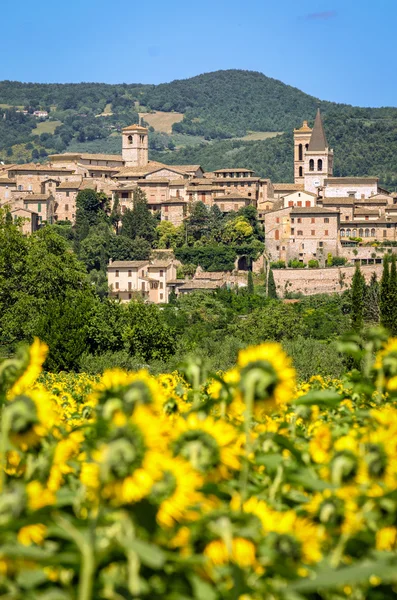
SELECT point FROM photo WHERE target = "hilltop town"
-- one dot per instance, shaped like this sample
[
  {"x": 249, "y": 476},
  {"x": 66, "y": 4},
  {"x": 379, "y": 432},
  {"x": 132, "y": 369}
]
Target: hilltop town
[{"x": 316, "y": 217}]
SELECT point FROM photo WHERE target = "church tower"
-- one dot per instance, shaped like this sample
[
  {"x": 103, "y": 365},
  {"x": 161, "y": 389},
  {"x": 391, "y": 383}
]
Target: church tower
[
  {"x": 301, "y": 144},
  {"x": 319, "y": 159},
  {"x": 135, "y": 146}
]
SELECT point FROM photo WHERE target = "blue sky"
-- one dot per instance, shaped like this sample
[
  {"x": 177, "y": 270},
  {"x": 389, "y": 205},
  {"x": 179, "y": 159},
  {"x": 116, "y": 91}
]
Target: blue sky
[{"x": 340, "y": 50}]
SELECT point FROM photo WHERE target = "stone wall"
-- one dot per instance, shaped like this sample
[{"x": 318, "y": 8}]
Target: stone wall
[{"x": 319, "y": 281}]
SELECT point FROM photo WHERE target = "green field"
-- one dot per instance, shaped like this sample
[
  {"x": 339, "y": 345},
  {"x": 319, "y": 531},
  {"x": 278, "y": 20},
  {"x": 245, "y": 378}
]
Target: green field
[{"x": 46, "y": 127}]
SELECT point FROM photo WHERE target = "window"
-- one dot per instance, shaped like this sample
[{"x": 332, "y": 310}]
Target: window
[
  {"x": 300, "y": 152},
  {"x": 291, "y": 203},
  {"x": 306, "y": 147},
  {"x": 354, "y": 233},
  {"x": 161, "y": 296},
  {"x": 299, "y": 232},
  {"x": 292, "y": 231},
  {"x": 326, "y": 219},
  {"x": 326, "y": 232},
  {"x": 67, "y": 194},
  {"x": 373, "y": 233},
  {"x": 236, "y": 207},
  {"x": 346, "y": 218},
  {"x": 222, "y": 207},
  {"x": 299, "y": 220},
  {"x": 129, "y": 296},
  {"x": 360, "y": 232},
  {"x": 165, "y": 208},
  {"x": 129, "y": 273},
  {"x": 313, "y": 220},
  {"x": 319, "y": 165},
  {"x": 161, "y": 273},
  {"x": 351, "y": 194},
  {"x": 277, "y": 235},
  {"x": 277, "y": 247},
  {"x": 117, "y": 285},
  {"x": 300, "y": 172},
  {"x": 384, "y": 233},
  {"x": 20, "y": 188},
  {"x": 166, "y": 218},
  {"x": 130, "y": 139},
  {"x": 321, "y": 244},
  {"x": 366, "y": 233},
  {"x": 348, "y": 232},
  {"x": 292, "y": 220},
  {"x": 299, "y": 203},
  {"x": 311, "y": 165},
  {"x": 277, "y": 219},
  {"x": 116, "y": 274},
  {"x": 129, "y": 285},
  {"x": 313, "y": 232},
  {"x": 66, "y": 207},
  {"x": 124, "y": 194},
  {"x": 39, "y": 207},
  {"x": 308, "y": 203},
  {"x": 366, "y": 217},
  {"x": 161, "y": 285}
]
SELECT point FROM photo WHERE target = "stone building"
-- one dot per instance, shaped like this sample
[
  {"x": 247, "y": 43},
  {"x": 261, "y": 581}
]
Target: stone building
[{"x": 144, "y": 278}]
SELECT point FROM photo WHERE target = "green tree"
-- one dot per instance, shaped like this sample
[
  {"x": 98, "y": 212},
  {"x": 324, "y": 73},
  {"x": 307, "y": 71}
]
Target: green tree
[
  {"x": 250, "y": 283},
  {"x": 139, "y": 222},
  {"x": 271, "y": 286},
  {"x": 357, "y": 296},
  {"x": 115, "y": 215},
  {"x": 385, "y": 308},
  {"x": 372, "y": 299},
  {"x": 146, "y": 333}
]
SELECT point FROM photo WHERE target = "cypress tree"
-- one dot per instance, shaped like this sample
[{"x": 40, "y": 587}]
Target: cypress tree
[
  {"x": 393, "y": 296},
  {"x": 384, "y": 294},
  {"x": 357, "y": 299},
  {"x": 250, "y": 283},
  {"x": 372, "y": 299},
  {"x": 271, "y": 286}
]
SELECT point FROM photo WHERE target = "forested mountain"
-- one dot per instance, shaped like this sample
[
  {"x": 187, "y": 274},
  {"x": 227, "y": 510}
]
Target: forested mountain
[
  {"x": 361, "y": 147},
  {"x": 224, "y": 105}
]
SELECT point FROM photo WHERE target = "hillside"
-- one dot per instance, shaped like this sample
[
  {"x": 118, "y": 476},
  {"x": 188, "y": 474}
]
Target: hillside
[{"x": 224, "y": 105}]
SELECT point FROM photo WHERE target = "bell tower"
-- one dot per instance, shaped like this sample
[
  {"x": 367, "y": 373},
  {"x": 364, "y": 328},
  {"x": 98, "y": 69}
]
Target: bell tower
[
  {"x": 301, "y": 144},
  {"x": 319, "y": 159},
  {"x": 135, "y": 146}
]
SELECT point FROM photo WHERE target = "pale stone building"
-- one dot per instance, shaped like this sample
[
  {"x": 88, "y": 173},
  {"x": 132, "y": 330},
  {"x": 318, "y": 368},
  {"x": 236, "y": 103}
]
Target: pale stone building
[{"x": 144, "y": 278}]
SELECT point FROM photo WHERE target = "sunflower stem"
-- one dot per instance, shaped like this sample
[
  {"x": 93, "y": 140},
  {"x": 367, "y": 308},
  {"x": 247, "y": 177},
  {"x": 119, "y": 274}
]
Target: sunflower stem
[
  {"x": 4, "y": 429},
  {"x": 249, "y": 405}
]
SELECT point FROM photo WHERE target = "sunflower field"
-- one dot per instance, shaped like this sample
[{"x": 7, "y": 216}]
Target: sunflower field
[{"x": 243, "y": 486}]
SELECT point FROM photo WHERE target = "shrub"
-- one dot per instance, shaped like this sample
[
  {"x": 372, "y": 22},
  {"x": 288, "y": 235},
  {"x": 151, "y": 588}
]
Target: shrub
[
  {"x": 313, "y": 264},
  {"x": 277, "y": 264}
]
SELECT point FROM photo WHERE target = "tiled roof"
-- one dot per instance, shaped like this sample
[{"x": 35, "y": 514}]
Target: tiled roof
[
  {"x": 185, "y": 168},
  {"x": 36, "y": 167},
  {"x": 135, "y": 126},
  {"x": 36, "y": 197},
  {"x": 304, "y": 129},
  {"x": 127, "y": 264},
  {"x": 337, "y": 201},
  {"x": 299, "y": 210},
  {"x": 232, "y": 196},
  {"x": 88, "y": 156},
  {"x": 174, "y": 200},
  {"x": 235, "y": 170},
  {"x": 201, "y": 285},
  {"x": 365, "y": 211},
  {"x": 288, "y": 186},
  {"x": 7, "y": 181},
  {"x": 99, "y": 168},
  {"x": 69, "y": 185}
]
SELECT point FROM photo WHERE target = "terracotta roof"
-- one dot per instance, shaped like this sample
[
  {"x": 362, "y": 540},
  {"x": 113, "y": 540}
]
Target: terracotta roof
[
  {"x": 304, "y": 129},
  {"x": 135, "y": 126},
  {"x": 154, "y": 180},
  {"x": 185, "y": 168},
  {"x": 240, "y": 180},
  {"x": 36, "y": 167},
  {"x": 235, "y": 170},
  {"x": 102, "y": 156},
  {"x": 373, "y": 200},
  {"x": 299, "y": 210},
  {"x": 201, "y": 285},
  {"x": 179, "y": 181},
  {"x": 232, "y": 196},
  {"x": 176, "y": 282},
  {"x": 318, "y": 141},
  {"x": 337, "y": 201},
  {"x": 174, "y": 200},
  {"x": 99, "y": 168},
  {"x": 200, "y": 181},
  {"x": 288, "y": 186},
  {"x": 88, "y": 184},
  {"x": 7, "y": 181},
  {"x": 151, "y": 167},
  {"x": 350, "y": 179},
  {"x": 305, "y": 192},
  {"x": 69, "y": 185},
  {"x": 365, "y": 211},
  {"x": 126, "y": 264},
  {"x": 32, "y": 212},
  {"x": 160, "y": 264},
  {"x": 369, "y": 224},
  {"x": 211, "y": 276},
  {"x": 36, "y": 197},
  {"x": 65, "y": 155},
  {"x": 203, "y": 188}
]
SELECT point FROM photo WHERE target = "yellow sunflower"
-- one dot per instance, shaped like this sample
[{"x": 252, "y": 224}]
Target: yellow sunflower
[{"x": 37, "y": 355}]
